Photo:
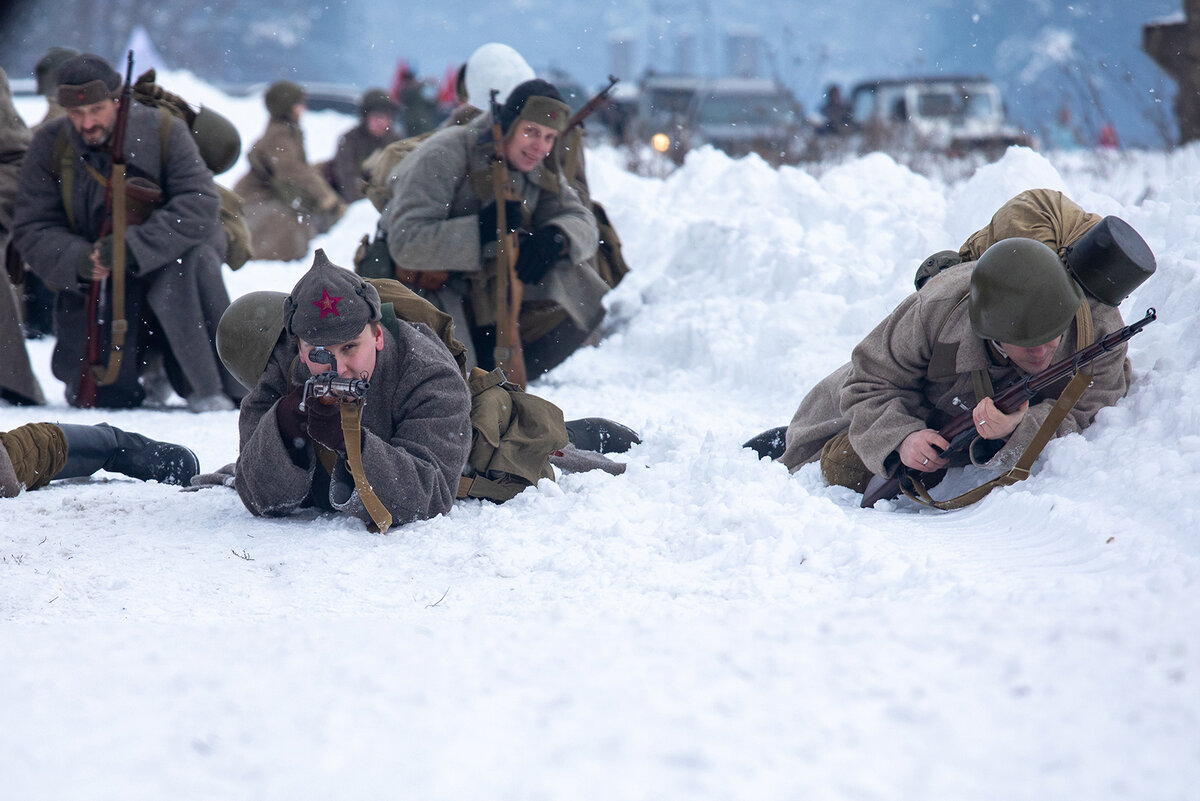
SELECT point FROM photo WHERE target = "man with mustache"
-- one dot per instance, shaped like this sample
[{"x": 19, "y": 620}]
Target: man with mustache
[{"x": 174, "y": 244}]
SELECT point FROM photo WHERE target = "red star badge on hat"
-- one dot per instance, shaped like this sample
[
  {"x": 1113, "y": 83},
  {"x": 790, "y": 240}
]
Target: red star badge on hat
[{"x": 327, "y": 304}]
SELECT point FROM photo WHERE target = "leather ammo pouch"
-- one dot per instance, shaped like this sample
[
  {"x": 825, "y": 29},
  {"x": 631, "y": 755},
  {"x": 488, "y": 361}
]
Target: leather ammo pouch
[
  {"x": 372, "y": 259},
  {"x": 142, "y": 197}
]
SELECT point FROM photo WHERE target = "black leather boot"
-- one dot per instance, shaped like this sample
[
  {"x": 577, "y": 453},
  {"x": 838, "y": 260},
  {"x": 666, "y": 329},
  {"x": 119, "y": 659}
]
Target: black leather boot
[
  {"x": 104, "y": 447},
  {"x": 769, "y": 444},
  {"x": 600, "y": 435}
]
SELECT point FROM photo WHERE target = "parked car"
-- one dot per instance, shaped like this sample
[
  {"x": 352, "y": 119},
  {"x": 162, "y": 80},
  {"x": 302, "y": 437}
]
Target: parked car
[
  {"x": 663, "y": 110},
  {"x": 951, "y": 114},
  {"x": 737, "y": 115}
]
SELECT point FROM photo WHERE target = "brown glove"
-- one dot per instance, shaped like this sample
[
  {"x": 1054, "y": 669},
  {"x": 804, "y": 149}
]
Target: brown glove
[{"x": 325, "y": 425}]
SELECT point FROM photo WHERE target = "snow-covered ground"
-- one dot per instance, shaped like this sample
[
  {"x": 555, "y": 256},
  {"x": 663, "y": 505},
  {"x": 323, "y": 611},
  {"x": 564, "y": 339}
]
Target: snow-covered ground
[{"x": 705, "y": 626}]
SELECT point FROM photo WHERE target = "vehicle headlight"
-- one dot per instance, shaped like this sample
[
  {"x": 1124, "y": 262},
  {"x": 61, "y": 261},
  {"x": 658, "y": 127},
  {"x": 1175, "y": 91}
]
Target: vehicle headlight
[{"x": 660, "y": 142}]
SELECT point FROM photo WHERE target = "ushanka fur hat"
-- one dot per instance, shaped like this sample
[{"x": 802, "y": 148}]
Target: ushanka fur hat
[
  {"x": 86, "y": 79},
  {"x": 329, "y": 304},
  {"x": 537, "y": 101}
]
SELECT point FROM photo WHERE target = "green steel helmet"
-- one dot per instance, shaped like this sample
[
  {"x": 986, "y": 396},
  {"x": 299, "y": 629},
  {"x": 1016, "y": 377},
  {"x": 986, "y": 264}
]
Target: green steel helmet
[
  {"x": 1021, "y": 295},
  {"x": 1110, "y": 260},
  {"x": 47, "y": 69},
  {"x": 248, "y": 332},
  {"x": 218, "y": 140},
  {"x": 281, "y": 96}
]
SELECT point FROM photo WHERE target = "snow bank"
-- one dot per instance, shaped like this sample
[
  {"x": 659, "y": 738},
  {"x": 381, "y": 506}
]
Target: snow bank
[{"x": 705, "y": 626}]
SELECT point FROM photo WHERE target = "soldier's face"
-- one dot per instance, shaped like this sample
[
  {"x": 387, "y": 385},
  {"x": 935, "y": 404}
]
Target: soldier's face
[
  {"x": 1032, "y": 360},
  {"x": 378, "y": 123},
  {"x": 95, "y": 121},
  {"x": 527, "y": 144},
  {"x": 355, "y": 359}
]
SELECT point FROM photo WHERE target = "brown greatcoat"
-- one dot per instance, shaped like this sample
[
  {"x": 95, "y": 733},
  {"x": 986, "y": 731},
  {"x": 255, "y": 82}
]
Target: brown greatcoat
[
  {"x": 354, "y": 147},
  {"x": 432, "y": 223},
  {"x": 1046, "y": 215},
  {"x": 286, "y": 200},
  {"x": 906, "y": 374},
  {"x": 17, "y": 381}
]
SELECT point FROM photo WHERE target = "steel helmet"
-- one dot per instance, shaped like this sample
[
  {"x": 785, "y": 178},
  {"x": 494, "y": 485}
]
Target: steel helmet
[
  {"x": 1021, "y": 295},
  {"x": 248, "y": 332}
]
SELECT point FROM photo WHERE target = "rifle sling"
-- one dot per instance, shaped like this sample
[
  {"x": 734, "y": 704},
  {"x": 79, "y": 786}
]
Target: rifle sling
[
  {"x": 1062, "y": 407},
  {"x": 352, "y": 432},
  {"x": 1084, "y": 336},
  {"x": 65, "y": 160}
]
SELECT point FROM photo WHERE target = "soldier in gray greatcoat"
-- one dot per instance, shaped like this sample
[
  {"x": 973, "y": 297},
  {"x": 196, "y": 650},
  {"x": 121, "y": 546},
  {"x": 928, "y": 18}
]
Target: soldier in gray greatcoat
[
  {"x": 415, "y": 415},
  {"x": 174, "y": 291},
  {"x": 18, "y": 384},
  {"x": 442, "y": 217}
]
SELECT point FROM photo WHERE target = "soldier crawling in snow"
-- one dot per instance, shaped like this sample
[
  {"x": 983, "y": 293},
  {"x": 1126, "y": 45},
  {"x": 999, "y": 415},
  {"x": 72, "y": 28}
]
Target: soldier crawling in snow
[{"x": 1043, "y": 280}]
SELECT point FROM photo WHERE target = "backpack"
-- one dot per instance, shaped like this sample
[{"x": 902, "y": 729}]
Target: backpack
[
  {"x": 513, "y": 433},
  {"x": 378, "y": 167}
]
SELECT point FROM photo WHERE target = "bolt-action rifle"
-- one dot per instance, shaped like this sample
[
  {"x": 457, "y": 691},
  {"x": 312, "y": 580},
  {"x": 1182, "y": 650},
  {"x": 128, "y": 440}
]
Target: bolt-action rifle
[
  {"x": 329, "y": 387},
  {"x": 94, "y": 371},
  {"x": 509, "y": 354},
  {"x": 579, "y": 116},
  {"x": 960, "y": 431}
]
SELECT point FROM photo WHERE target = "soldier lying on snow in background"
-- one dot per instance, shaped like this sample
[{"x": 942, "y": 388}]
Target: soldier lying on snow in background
[
  {"x": 361, "y": 404},
  {"x": 33, "y": 455},
  {"x": 971, "y": 329}
]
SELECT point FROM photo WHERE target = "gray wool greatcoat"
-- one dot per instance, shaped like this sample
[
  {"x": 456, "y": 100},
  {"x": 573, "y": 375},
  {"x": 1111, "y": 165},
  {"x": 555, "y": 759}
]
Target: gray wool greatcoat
[
  {"x": 432, "y": 223},
  {"x": 16, "y": 373},
  {"x": 904, "y": 377},
  {"x": 416, "y": 424},
  {"x": 178, "y": 249}
]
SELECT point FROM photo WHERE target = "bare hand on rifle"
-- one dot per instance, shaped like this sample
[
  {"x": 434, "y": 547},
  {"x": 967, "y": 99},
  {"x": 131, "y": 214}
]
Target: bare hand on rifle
[
  {"x": 991, "y": 423},
  {"x": 922, "y": 450},
  {"x": 99, "y": 271}
]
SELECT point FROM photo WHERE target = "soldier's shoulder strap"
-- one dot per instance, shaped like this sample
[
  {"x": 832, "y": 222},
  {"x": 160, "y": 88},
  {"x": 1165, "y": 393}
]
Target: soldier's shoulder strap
[{"x": 62, "y": 166}]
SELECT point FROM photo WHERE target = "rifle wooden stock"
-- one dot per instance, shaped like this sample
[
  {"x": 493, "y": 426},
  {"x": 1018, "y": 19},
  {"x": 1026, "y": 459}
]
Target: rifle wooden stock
[
  {"x": 579, "y": 116},
  {"x": 960, "y": 431},
  {"x": 94, "y": 371},
  {"x": 508, "y": 354}
]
